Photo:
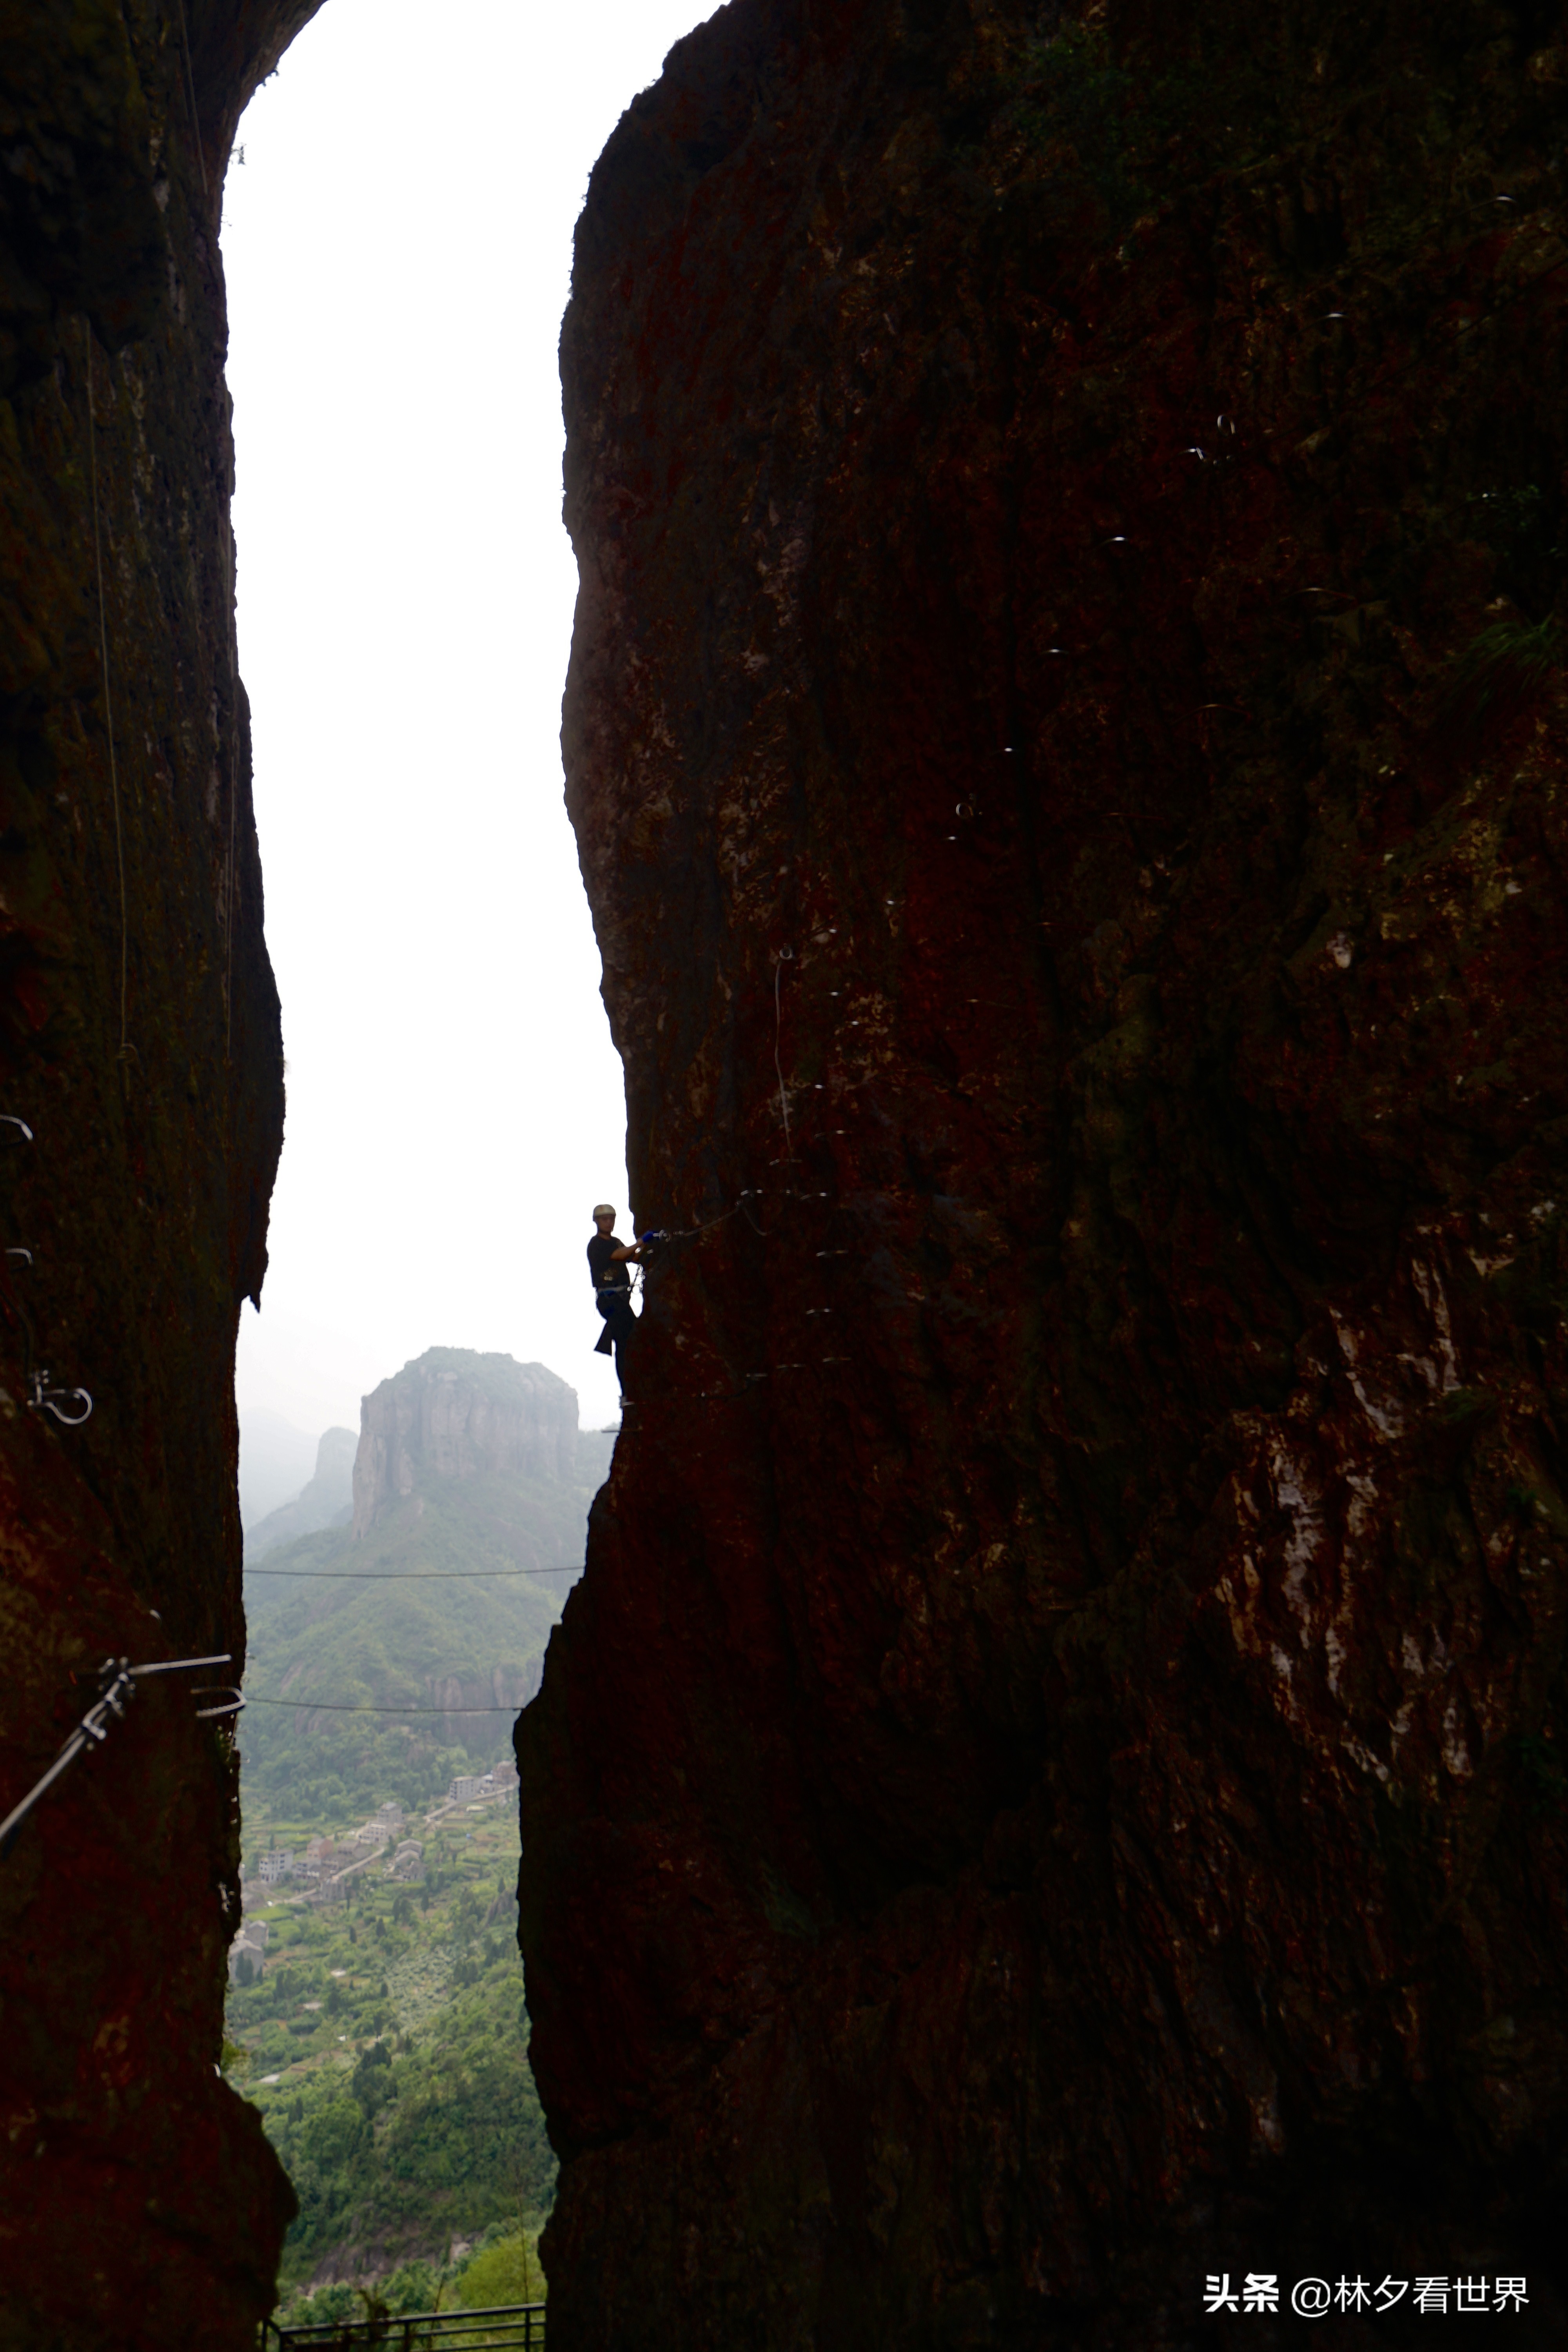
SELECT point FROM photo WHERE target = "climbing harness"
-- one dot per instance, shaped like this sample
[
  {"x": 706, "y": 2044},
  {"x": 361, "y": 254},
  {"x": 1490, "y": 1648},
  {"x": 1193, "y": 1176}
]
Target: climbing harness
[{"x": 118, "y": 1680}]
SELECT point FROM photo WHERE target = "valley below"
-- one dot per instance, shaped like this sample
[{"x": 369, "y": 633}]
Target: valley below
[
  {"x": 375, "y": 2017},
  {"x": 384, "y": 2045}
]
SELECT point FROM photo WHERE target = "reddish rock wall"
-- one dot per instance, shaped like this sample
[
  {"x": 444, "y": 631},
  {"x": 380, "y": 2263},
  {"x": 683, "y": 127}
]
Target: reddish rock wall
[
  {"x": 138, "y": 1040},
  {"x": 1051, "y": 1785}
]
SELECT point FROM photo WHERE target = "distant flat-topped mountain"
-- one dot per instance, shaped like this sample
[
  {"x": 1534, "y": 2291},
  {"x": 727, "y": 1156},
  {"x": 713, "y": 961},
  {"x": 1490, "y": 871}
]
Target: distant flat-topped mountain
[
  {"x": 468, "y": 1468},
  {"x": 453, "y": 1414}
]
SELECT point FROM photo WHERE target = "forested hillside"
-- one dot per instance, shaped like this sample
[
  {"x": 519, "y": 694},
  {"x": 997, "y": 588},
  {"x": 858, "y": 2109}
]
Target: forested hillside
[
  {"x": 473, "y": 1484},
  {"x": 385, "y": 2046},
  {"x": 450, "y": 1649}
]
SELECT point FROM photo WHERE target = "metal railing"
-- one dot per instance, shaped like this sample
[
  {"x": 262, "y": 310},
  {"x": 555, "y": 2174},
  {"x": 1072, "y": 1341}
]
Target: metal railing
[{"x": 506, "y": 2326}]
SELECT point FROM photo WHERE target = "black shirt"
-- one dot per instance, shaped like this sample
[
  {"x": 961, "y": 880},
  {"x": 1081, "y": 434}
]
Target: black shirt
[{"x": 605, "y": 1272}]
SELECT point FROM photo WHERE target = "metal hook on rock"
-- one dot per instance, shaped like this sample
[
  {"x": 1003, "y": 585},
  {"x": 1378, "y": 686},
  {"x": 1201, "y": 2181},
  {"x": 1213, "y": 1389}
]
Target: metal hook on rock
[
  {"x": 115, "y": 1685},
  {"x": 9, "y": 1118},
  {"x": 45, "y": 1399},
  {"x": 204, "y": 1690},
  {"x": 24, "y": 1254}
]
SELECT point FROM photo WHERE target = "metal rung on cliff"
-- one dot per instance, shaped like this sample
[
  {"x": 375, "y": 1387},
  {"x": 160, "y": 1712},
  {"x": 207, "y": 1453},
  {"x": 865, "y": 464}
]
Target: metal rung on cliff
[{"x": 506, "y": 2326}]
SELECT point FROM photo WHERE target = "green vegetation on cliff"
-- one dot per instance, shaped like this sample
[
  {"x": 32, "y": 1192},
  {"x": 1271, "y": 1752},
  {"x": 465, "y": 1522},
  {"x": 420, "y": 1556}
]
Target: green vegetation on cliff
[
  {"x": 471, "y": 1475},
  {"x": 419, "y": 1643}
]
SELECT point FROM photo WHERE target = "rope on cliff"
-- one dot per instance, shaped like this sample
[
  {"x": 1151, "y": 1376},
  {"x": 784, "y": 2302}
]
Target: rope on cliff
[
  {"x": 407, "y": 1575},
  {"x": 691, "y": 1233},
  {"x": 694, "y": 1233},
  {"x": 330, "y": 1706},
  {"x": 119, "y": 1678},
  {"x": 737, "y": 1208},
  {"x": 108, "y": 699},
  {"x": 740, "y": 1206},
  {"x": 785, "y": 955},
  {"x": 228, "y": 891},
  {"x": 750, "y": 1379},
  {"x": 190, "y": 95}
]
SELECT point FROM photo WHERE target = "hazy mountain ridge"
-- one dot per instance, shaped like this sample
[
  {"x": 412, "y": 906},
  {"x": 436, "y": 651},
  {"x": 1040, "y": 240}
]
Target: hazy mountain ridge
[
  {"x": 326, "y": 1501},
  {"x": 275, "y": 1462}
]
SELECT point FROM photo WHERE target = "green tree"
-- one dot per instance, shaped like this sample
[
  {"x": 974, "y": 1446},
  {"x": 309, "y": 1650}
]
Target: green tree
[
  {"x": 506, "y": 2271},
  {"x": 333, "y": 2135},
  {"x": 373, "y": 2082}
]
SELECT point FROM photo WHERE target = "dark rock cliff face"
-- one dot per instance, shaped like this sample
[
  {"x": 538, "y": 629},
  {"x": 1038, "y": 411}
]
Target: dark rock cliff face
[
  {"x": 138, "y": 1042},
  {"x": 1052, "y": 1784}
]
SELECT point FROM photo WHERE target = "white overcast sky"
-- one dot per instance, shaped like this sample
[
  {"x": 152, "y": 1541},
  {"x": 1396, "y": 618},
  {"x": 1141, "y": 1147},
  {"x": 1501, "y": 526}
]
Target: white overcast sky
[{"x": 397, "y": 244}]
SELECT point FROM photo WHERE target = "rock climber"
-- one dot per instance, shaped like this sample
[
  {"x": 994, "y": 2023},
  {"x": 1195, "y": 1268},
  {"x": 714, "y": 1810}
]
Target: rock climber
[{"x": 608, "y": 1260}]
